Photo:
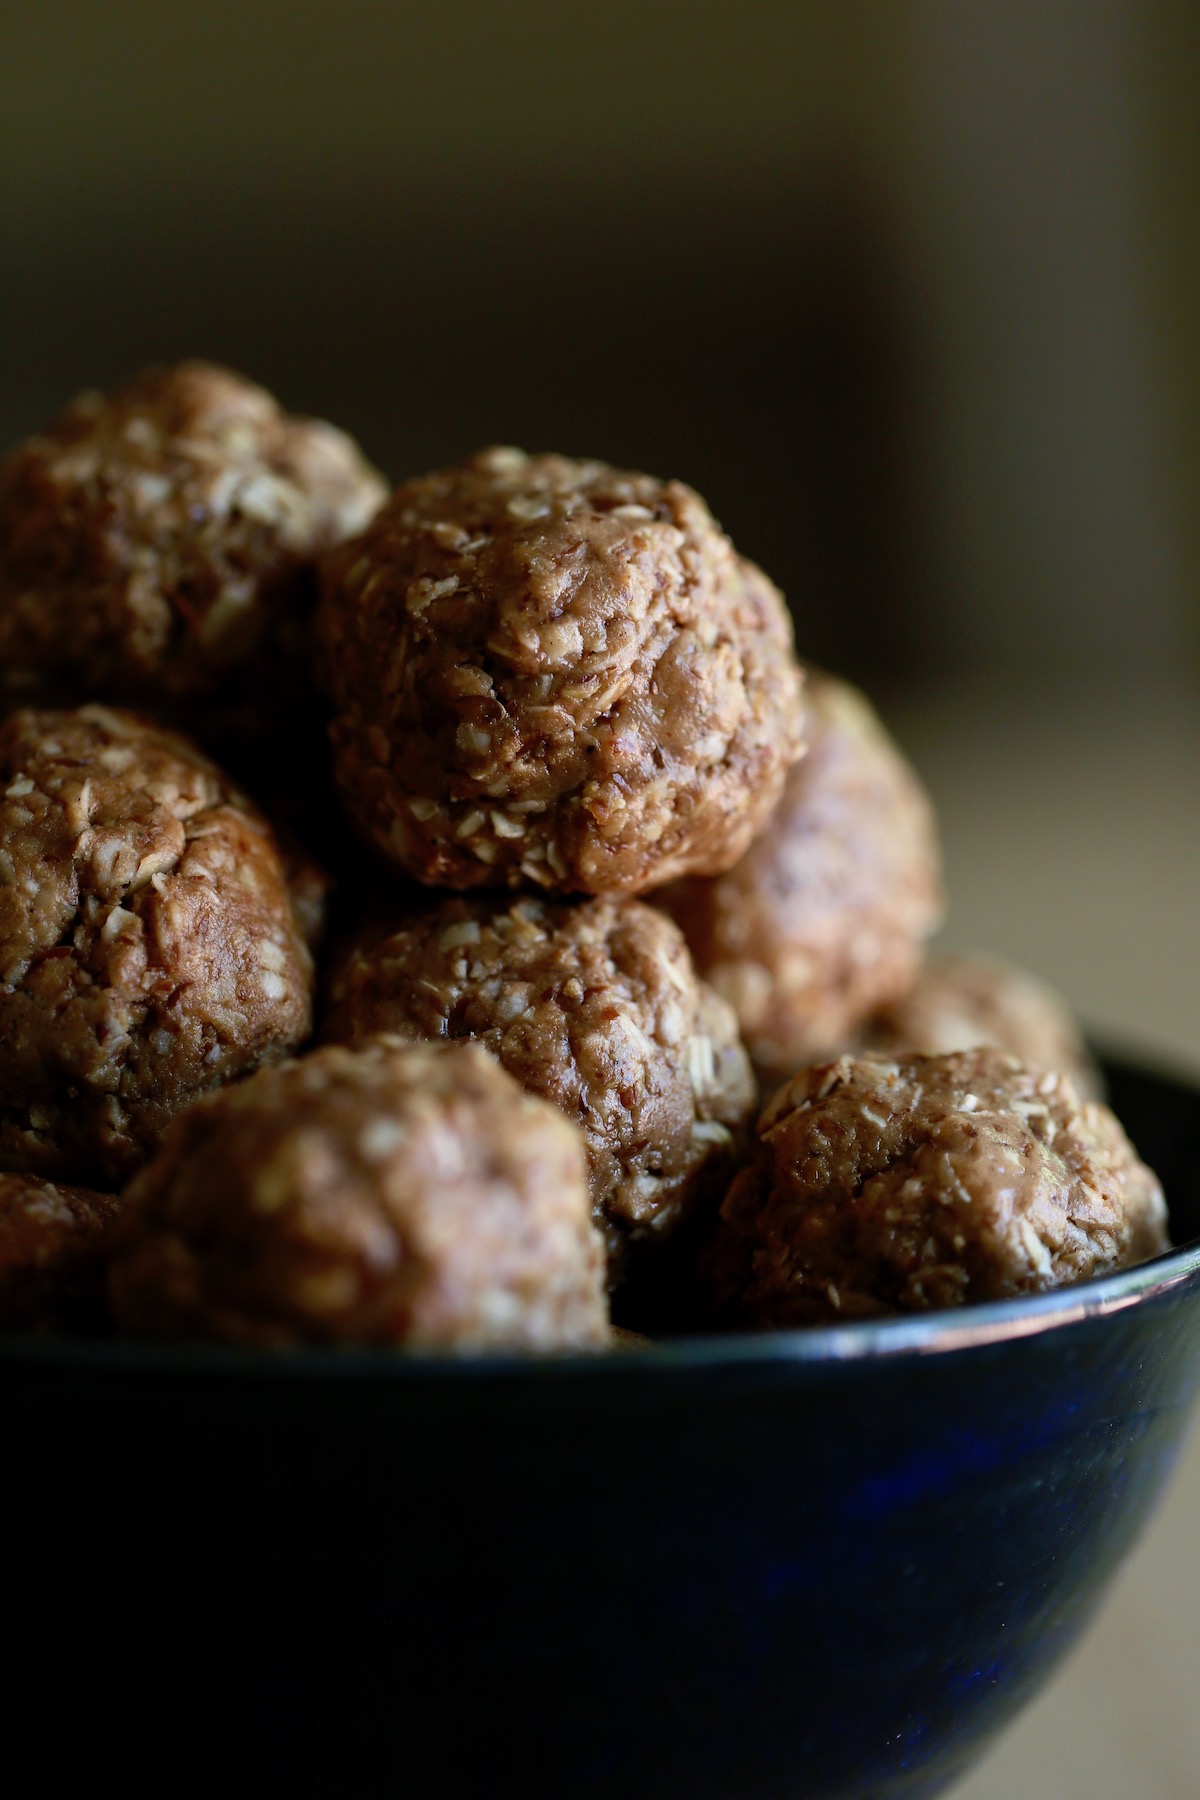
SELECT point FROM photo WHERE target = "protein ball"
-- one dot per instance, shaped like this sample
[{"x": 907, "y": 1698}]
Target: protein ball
[
  {"x": 158, "y": 542},
  {"x": 55, "y": 1243},
  {"x": 149, "y": 947},
  {"x": 957, "y": 1002},
  {"x": 596, "y": 1007},
  {"x": 905, "y": 1185},
  {"x": 823, "y": 918},
  {"x": 556, "y": 673},
  {"x": 390, "y": 1194}
]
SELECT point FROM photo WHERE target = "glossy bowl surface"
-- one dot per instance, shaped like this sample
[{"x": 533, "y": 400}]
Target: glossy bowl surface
[{"x": 828, "y": 1563}]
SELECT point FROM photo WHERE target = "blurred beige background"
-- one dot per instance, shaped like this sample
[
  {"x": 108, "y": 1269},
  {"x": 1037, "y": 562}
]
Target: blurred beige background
[{"x": 911, "y": 291}]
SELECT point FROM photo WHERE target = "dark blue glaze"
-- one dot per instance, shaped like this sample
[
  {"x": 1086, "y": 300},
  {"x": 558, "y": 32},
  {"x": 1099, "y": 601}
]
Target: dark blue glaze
[{"x": 820, "y": 1564}]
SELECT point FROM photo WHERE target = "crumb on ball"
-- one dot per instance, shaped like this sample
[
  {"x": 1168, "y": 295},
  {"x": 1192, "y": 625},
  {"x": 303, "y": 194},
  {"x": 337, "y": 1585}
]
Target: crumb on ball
[
  {"x": 391, "y": 1194},
  {"x": 149, "y": 945},
  {"x": 556, "y": 674},
  {"x": 921, "y": 1182}
]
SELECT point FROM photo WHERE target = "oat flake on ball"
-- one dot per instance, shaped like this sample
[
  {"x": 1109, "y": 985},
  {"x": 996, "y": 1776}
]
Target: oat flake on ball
[
  {"x": 158, "y": 542},
  {"x": 927, "y": 1181},
  {"x": 149, "y": 945},
  {"x": 596, "y": 1007},
  {"x": 556, "y": 673},
  {"x": 392, "y": 1194}
]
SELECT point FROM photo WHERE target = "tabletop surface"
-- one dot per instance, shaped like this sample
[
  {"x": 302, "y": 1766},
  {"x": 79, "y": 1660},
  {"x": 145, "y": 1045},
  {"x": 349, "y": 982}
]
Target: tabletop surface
[{"x": 1071, "y": 825}]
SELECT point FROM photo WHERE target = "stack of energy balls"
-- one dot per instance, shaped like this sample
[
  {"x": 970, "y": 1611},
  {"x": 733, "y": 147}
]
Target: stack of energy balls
[{"x": 623, "y": 876}]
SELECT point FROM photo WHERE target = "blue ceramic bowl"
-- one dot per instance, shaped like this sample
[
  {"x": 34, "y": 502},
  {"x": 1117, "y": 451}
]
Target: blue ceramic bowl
[{"x": 820, "y": 1564}]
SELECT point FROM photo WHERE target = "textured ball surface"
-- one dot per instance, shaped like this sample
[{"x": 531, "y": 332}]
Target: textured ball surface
[
  {"x": 594, "y": 1006},
  {"x": 55, "y": 1243},
  {"x": 921, "y": 1182},
  {"x": 822, "y": 920},
  {"x": 150, "y": 947},
  {"x": 158, "y": 543},
  {"x": 556, "y": 673},
  {"x": 957, "y": 1002},
  {"x": 402, "y": 1194}
]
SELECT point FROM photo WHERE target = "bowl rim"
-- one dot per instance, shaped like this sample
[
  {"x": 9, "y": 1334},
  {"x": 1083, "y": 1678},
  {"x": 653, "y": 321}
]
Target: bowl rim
[{"x": 856, "y": 1341}]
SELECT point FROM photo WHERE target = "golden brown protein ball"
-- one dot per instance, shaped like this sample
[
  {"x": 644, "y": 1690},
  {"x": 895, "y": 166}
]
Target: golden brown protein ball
[
  {"x": 556, "y": 673},
  {"x": 823, "y": 918},
  {"x": 149, "y": 947},
  {"x": 957, "y": 1002},
  {"x": 927, "y": 1181},
  {"x": 596, "y": 1007},
  {"x": 55, "y": 1243},
  {"x": 157, "y": 543},
  {"x": 405, "y": 1194}
]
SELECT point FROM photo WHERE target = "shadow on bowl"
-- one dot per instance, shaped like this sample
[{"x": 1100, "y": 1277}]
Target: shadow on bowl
[{"x": 829, "y": 1563}]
